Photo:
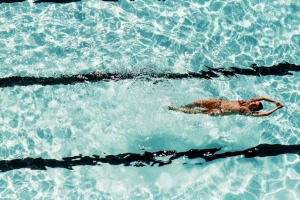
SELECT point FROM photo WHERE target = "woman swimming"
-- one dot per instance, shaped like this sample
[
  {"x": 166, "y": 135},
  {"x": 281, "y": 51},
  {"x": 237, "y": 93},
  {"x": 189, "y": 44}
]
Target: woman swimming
[{"x": 225, "y": 107}]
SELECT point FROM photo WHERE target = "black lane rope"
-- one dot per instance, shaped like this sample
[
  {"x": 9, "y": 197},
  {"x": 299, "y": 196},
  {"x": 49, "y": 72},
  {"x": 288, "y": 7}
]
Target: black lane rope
[
  {"x": 254, "y": 70},
  {"x": 146, "y": 159}
]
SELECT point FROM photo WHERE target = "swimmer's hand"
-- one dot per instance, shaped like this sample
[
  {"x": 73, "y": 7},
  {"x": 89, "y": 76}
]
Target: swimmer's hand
[{"x": 279, "y": 105}]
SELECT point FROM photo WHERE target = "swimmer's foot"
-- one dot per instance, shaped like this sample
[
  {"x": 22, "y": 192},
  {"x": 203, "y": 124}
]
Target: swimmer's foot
[{"x": 172, "y": 108}]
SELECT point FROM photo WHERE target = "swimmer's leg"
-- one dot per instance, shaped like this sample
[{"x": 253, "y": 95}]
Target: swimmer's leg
[
  {"x": 190, "y": 105},
  {"x": 208, "y": 103},
  {"x": 189, "y": 111}
]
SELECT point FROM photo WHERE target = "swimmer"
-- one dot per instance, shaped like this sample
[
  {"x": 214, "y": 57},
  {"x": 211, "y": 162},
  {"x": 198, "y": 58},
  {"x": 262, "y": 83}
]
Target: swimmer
[{"x": 224, "y": 107}]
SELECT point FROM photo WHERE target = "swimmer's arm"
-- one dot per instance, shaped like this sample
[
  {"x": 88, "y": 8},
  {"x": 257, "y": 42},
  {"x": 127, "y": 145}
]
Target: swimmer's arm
[
  {"x": 263, "y": 114},
  {"x": 263, "y": 98}
]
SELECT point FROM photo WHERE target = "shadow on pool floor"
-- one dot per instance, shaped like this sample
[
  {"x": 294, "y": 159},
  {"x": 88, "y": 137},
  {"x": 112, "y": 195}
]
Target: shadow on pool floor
[
  {"x": 146, "y": 159},
  {"x": 281, "y": 69}
]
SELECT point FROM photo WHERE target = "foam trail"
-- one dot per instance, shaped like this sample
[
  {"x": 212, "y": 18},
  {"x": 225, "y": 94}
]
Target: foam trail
[{"x": 166, "y": 102}]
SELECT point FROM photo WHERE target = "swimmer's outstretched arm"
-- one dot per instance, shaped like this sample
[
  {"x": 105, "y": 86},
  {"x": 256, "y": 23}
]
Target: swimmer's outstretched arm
[
  {"x": 190, "y": 111},
  {"x": 263, "y": 98},
  {"x": 262, "y": 114}
]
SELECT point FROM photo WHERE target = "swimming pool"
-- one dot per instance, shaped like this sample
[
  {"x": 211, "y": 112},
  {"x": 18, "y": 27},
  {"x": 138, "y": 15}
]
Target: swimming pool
[{"x": 112, "y": 118}]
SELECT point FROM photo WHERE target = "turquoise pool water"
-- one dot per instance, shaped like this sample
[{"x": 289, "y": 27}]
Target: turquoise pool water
[{"x": 115, "y": 117}]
